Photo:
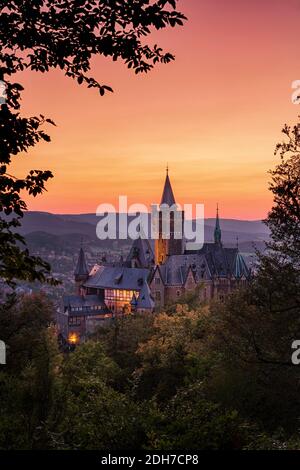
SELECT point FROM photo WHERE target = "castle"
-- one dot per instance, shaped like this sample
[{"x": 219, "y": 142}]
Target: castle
[{"x": 146, "y": 281}]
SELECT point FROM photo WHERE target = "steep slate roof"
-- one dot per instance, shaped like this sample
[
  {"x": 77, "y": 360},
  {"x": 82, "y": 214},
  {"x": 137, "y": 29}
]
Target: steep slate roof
[
  {"x": 81, "y": 266},
  {"x": 175, "y": 271},
  {"x": 86, "y": 304},
  {"x": 141, "y": 252},
  {"x": 167, "y": 196},
  {"x": 117, "y": 277},
  {"x": 220, "y": 259},
  {"x": 145, "y": 300},
  {"x": 240, "y": 267},
  {"x": 212, "y": 260}
]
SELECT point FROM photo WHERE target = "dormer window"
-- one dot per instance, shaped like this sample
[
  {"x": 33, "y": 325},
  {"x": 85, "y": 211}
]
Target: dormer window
[{"x": 118, "y": 279}]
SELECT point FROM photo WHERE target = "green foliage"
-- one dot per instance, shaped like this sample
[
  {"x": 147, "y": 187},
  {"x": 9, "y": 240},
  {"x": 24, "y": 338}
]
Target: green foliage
[
  {"x": 23, "y": 322},
  {"x": 190, "y": 299},
  {"x": 173, "y": 354},
  {"x": 191, "y": 422},
  {"x": 170, "y": 391},
  {"x": 89, "y": 413},
  {"x": 88, "y": 361},
  {"x": 26, "y": 383},
  {"x": 95, "y": 416},
  {"x": 121, "y": 342}
]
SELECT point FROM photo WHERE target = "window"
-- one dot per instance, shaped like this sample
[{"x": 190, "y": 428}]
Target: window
[
  {"x": 157, "y": 280},
  {"x": 178, "y": 293},
  {"x": 157, "y": 296},
  {"x": 74, "y": 321},
  {"x": 118, "y": 294}
]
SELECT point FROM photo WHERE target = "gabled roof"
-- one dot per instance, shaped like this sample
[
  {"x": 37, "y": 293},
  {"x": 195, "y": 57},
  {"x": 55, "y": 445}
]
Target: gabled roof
[
  {"x": 240, "y": 267},
  {"x": 117, "y": 277},
  {"x": 167, "y": 196},
  {"x": 85, "y": 305},
  {"x": 141, "y": 252},
  {"x": 145, "y": 300},
  {"x": 81, "y": 266},
  {"x": 211, "y": 261},
  {"x": 220, "y": 259},
  {"x": 175, "y": 270},
  {"x": 160, "y": 268},
  {"x": 192, "y": 272}
]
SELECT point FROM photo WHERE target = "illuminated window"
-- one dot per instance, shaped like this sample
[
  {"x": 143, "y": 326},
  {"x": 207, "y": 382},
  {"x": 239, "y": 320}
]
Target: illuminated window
[{"x": 75, "y": 321}]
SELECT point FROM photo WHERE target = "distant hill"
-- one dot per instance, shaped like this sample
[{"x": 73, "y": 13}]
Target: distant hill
[
  {"x": 55, "y": 224},
  {"x": 48, "y": 242},
  {"x": 84, "y": 225},
  {"x": 69, "y": 243}
]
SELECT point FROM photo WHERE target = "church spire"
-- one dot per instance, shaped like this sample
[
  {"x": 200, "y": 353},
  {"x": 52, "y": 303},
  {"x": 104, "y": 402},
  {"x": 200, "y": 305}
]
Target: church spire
[
  {"x": 169, "y": 242},
  {"x": 167, "y": 196},
  {"x": 81, "y": 269},
  {"x": 217, "y": 232}
]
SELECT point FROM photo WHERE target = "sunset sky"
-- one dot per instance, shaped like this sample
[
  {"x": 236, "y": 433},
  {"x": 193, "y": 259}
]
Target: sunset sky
[{"x": 215, "y": 115}]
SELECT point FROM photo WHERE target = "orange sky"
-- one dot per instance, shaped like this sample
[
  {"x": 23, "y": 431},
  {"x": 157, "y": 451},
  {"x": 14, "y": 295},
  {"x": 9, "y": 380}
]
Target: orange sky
[{"x": 214, "y": 115}]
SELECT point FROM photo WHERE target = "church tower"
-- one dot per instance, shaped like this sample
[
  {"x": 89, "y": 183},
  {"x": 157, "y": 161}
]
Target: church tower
[
  {"x": 164, "y": 246},
  {"x": 217, "y": 232},
  {"x": 81, "y": 272}
]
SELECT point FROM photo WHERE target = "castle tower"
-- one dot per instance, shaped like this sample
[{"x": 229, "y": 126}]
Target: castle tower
[
  {"x": 81, "y": 272},
  {"x": 217, "y": 232},
  {"x": 165, "y": 247}
]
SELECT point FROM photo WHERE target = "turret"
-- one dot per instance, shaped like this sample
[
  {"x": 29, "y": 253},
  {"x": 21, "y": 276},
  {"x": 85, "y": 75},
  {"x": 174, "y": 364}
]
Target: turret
[{"x": 81, "y": 272}]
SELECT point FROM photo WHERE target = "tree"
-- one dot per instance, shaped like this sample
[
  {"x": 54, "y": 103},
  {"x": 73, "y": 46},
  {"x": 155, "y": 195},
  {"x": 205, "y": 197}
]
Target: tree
[
  {"x": 27, "y": 381},
  {"x": 255, "y": 328},
  {"x": 276, "y": 290},
  {"x": 88, "y": 412},
  {"x": 284, "y": 218},
  {"x": 40, "y": 35},
  {"x": 172, "y": 356},
  {"x": 121, "y": 342},
  {"x": 191, "y": 422},
  {"x": 23, "y": 322}
]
